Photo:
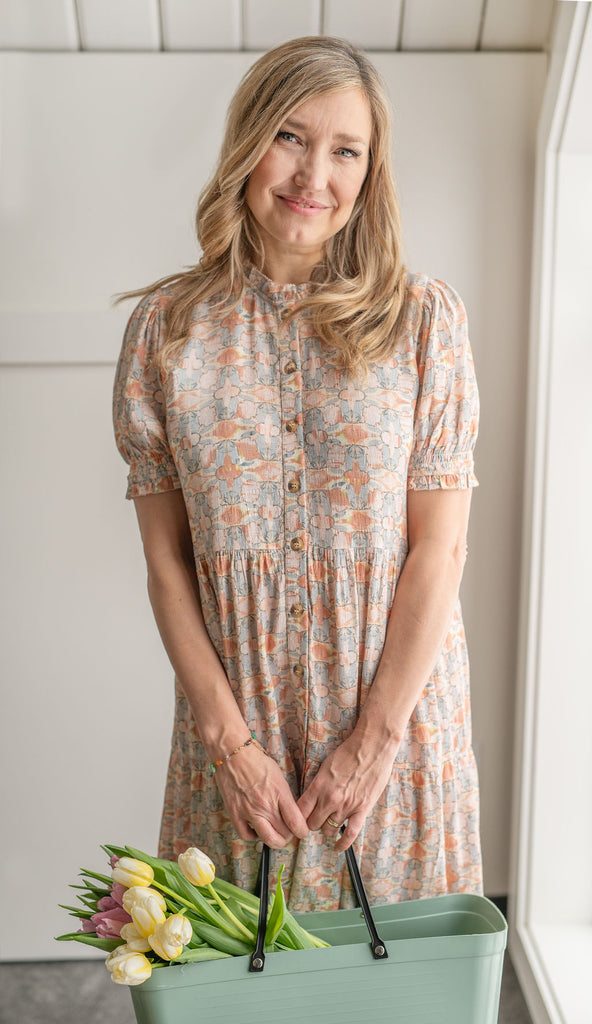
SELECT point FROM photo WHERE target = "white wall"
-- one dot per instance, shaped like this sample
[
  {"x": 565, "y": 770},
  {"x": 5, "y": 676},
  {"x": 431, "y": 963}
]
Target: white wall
[
  {"x": 550, "y": 917},
  {"x": 103, "y": 158}
]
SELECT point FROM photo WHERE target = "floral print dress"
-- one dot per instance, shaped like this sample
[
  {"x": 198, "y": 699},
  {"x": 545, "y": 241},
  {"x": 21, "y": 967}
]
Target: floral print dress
[{"x": 295, "y": 482}]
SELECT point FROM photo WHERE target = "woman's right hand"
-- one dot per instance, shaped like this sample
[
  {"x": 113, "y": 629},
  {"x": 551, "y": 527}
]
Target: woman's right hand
[
  {"x": 258, "y": 799},
  {"x": 255, "y": 792}
]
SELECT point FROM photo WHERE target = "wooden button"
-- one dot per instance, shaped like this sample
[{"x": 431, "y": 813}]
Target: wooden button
[
  {"x": 298, "y": 671},
  {"x": 297, "y": 609},
  {"x": 292, "y": 426},
  {"x": 297, "y": 544},
  {"x": 294, "y": 485},
  {"x": 290, "y": 367}
]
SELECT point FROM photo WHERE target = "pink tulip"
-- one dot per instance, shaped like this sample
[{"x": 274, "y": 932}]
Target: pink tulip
[
  {"x": 87, "y": 926},
  {"x": 117, "y": 891},
  {"x": 108, "y": 923},
  {"x": 107, "y": 903}
]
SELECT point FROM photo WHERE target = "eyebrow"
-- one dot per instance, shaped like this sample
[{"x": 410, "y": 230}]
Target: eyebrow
[{"x": 339, "y": 136}]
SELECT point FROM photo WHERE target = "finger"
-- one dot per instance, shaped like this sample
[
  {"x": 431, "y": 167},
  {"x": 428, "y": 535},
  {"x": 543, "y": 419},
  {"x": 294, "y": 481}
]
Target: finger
[
  {"x": 245, "y": 831},
  {"x": 268, "y": 834},
  {"x": 332, "y": 825},
  {"x": 319, "y": 816},
  {"x": 293, "y": 817},
  {"x": 306, "y": 803},
  {"x": 352, "y": 831}
]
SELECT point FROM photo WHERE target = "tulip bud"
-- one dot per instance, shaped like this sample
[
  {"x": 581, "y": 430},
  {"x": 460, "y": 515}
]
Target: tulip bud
[
  {"x": 127, "y": 967},
  {"x": 147, "y": 908},
  {"x": 139, "y": 894},
  {"x": 135, "y": 940},
  {"x": 168, "y": 938},
  {"x": 196, "y": 866},
  {"x": 128, "y": 871}
]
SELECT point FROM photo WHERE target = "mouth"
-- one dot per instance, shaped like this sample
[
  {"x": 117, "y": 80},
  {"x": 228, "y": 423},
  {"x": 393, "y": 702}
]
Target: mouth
[{"x": 301, "y": 205}]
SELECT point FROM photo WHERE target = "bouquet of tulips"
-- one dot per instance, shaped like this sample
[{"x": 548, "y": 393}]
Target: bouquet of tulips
[{"x": 151, "y": 912}]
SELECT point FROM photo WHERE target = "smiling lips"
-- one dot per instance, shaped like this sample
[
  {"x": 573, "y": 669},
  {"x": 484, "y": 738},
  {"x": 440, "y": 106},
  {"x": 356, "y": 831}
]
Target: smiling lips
[{"x": 300, "y": 205}]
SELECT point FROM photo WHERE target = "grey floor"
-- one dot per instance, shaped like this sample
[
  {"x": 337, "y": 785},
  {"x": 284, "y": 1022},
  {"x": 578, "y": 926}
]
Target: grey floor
[{"x": 81, "y": 992}]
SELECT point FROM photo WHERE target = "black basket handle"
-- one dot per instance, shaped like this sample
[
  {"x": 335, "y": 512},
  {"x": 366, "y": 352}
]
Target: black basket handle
[{"x": 379, "y": 950}]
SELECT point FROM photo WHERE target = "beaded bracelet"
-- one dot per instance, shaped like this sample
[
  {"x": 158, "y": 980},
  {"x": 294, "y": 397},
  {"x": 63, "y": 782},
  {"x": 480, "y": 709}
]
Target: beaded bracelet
[{"x": 252, "y": 739}]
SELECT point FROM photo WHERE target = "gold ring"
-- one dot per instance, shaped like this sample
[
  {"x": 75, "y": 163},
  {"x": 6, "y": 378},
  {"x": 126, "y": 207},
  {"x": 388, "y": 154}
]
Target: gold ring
[{"x": 333, "y": 824}]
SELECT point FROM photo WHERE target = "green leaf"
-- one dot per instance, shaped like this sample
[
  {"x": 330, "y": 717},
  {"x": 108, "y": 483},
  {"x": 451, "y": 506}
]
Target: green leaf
[
  {"x": 228, "y": 890},
  {"x": 219, "y": 939},
  {"x": 192, "y": 956},
  {"x": 100, "y": 878},
  {"x": 114, "y": 851},
  {"x": 276, "y": 916},
  {"x": 77, "y": 911},
  {"x": 90, "y": 904},
  {"x": 190, "y": 894},
  {"x": 295, "y": 936},
  {"x": 90, "y": 939},
  {"x": 247, "y": 917}
]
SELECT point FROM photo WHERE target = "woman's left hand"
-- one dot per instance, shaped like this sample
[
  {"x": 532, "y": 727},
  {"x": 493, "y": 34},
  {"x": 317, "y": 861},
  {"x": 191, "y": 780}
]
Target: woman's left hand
[{"x": 347, "y": 786}]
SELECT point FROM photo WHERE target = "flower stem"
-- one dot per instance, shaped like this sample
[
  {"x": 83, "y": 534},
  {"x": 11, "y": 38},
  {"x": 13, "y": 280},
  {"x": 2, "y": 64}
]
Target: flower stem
[
  {"x": 174, "y": 895},
  {"x": 229, "y": 913}
]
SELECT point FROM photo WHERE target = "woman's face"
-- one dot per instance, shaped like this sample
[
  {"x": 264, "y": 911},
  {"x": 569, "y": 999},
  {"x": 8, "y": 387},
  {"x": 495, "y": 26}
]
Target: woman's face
[{"x": 303, "y": 190}]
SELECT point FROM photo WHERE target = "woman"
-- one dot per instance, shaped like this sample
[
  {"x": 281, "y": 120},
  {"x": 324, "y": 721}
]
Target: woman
[{"x": 299, "y": 415}]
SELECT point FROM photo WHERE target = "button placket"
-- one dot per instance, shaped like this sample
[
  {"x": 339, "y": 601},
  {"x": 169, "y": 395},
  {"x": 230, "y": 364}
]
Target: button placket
[{"x": 295, "y": 518}]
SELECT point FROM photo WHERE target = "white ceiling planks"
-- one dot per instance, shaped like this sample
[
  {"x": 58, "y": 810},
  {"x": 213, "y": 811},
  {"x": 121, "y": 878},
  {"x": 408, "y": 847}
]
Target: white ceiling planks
[
  {"x": 441, "y": 24},
  {"x": 373, "y": 25},
  {"x": 112, "y": 25},
  {"x": 516, "y": 24},
  {"x": 201, "y": 25},
  {"x": 268, "y": 22},
  {"x": 30, "y": 25},
  {"x": 231, "y": 25}
]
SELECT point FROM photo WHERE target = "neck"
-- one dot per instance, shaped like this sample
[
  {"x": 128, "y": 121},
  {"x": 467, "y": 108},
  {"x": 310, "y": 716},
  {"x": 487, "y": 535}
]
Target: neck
[{"x": 285, "y": 267}]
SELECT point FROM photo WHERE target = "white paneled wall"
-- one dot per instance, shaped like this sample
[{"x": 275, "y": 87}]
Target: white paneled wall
[
  {"x": 28, "y": 24},
  {"x": 112, "y": 25},
  {"x": 373, "y": 24},
  {"x": 206, "y": 25},
  {"x": 104, "y": 156},
  {"x": 511, "y": 25},
  {"x": 441, "y": 25},
  {"x": 267, "y": 23},
  {"x": 203, "y": 25}
]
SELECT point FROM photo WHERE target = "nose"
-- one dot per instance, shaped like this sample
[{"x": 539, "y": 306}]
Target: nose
[{"x": 312, "y": 172}]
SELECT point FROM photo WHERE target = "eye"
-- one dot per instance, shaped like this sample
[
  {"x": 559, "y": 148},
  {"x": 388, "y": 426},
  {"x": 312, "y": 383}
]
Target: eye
[
  {"x": 349, "y": 154},
  {"x": 286, "y": 136}
]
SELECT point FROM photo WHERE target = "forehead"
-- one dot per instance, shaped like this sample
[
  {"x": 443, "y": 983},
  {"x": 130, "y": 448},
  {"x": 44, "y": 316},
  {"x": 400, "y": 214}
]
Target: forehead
[{"x": 345, "y": 112}]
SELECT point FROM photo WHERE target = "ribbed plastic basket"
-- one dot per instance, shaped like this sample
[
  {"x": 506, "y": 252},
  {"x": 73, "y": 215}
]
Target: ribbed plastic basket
[{"x": 445, "y": 958}]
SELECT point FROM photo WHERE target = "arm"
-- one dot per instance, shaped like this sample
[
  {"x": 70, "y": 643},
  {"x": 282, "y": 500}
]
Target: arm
[
  {"x": 352, "y": 778},
  {"x": 255, "y": 792}
]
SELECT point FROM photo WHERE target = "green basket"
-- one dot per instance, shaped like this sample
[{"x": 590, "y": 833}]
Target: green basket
[{"x": 444, "y": 966}]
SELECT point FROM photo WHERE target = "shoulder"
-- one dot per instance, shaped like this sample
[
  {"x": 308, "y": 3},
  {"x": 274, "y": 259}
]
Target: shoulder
[
  {"x": 151, "y": 304},
  {"x": 432, "y": 293},
  {"x": 434, "y": 307}
]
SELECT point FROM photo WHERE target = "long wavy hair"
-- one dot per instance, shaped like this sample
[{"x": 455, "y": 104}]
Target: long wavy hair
[{"x": 357, "y": 306}]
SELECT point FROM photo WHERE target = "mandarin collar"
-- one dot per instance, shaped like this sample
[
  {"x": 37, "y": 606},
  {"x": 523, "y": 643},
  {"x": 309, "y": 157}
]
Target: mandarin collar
[{"x": 280, "y": 294}]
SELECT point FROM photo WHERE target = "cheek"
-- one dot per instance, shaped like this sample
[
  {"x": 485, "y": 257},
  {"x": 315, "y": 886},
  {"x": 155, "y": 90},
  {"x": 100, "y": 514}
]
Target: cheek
[
  {"x": 269, "y": 171},
  {"x": 350, "y": 190}
]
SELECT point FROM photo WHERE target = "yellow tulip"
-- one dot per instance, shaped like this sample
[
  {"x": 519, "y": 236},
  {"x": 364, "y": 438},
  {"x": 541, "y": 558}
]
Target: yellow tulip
[
  {"x": 134, "y": 938},
  {"x": 168, "y": 938},
  {"x": 127, "y": 967},
  {"x": 147, "y": 908},
  {"x": 139, "y": 894},
  {"x": 196, "y": 866},
  {"x": 128, "y": 871}
]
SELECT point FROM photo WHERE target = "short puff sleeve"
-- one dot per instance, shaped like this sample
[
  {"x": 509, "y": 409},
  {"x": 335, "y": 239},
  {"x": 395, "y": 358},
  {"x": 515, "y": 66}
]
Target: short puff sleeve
[
  {"x": 139, "y": 414},
  {"x": 446, "y": 415}
]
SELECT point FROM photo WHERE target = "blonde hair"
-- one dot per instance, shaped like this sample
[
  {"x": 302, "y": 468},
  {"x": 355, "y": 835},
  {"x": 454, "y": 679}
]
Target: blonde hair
[{"x": 358, "y": 302}]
